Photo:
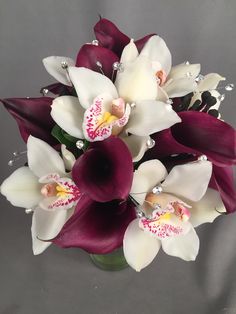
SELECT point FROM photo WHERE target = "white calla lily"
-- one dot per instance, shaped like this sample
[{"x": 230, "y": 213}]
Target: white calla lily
[
  {"x": 166, "y": 203},
  {"x": 46, "y": 188}
]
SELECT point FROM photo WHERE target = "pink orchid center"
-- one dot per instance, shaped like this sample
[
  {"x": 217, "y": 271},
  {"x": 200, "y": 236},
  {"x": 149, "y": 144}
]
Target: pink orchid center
[
  {"x": 161, "y": 77},
  {"x": 49, "y": 190}
]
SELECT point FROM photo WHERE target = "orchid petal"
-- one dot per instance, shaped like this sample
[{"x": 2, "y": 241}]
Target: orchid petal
[
  {"x": 179, "y": 87},
  {"x": 53, "y": 65},
  {"x": 155, "y": 49},
  {"x": 68, "y": 114},
  {"x": 183, "y": 70},
  {"x": 207, "y": 209},
  {"x": 137, "y": 81},
  {"x": 46, "y": 225},
  {"x": 32, "y": 116},
  {"x": 130, "y": 53},
  {"x": 22, "y": 188},
  {"x": 97, "y": 227},
  {"x": 89, "y": 55},
  {"x": 150, "y": 116},
  {"x": 137, "y": 145},
  {"x": 90, "y": 84},
  {"x": 140, "y": 249},
  {"x": 189, "y": 180},
  {"x": 161, "y": 94},
  {"x": 185, "y": 246},
  {"x": 210, "y": 81},
  {"x": 68, "y": 158},
  {"x": 43, "y": 159}
]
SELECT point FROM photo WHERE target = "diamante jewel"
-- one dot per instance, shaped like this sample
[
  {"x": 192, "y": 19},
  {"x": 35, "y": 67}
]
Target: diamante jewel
[
  {"x": 187, "y": 62},
  {"x": 229, "y": 87},
  {"x": 133, "y": 105},
  {"x": 80, "y": 144},
  {"x": 157, "y": 190},
  {"x": 95, "y": 42},
  {"x": 10, "y": 163},
  {"x": 202, "y": 158},
  {"x": 29, "y": 211},
  {"x": 98, "y": 63},
  {"x": 117, "y": 66},
  {"x": 150, "y": 143},
  {"x": 221, "y": 97},
  {"x": 64, "y": 65},
  {"x": 45, "y": 91},
  {"x": 199, "y": 78}
]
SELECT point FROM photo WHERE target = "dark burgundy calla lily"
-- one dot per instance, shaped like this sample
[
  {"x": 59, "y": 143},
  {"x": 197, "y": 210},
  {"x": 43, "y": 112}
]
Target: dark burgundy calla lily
[
  {"x": 32, "y": 116},
  {"x": 111, "y": 37},
  {"x": 198, "y": 133},
  {"x": 89, "y": 55},
  {"x": 223, "y": 181},
  {"x": 58, "y": 89},
  {"x": 105, "y": 171},
  {"x": 96, "y": 227}
]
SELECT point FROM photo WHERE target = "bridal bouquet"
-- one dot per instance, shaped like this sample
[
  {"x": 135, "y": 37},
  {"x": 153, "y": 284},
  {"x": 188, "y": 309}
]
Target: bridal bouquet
[{"x": 124, "y": 150}]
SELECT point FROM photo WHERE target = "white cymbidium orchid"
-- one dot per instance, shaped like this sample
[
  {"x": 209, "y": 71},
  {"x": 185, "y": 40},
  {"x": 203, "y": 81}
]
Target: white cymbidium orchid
[
  {"x": 171, "y": 81},
  {"x": 171, "y": 206},
  {"x": 106, "y": 113},
  {"x": 46, "y": 188},
  {"x": 209, "y": 83}
]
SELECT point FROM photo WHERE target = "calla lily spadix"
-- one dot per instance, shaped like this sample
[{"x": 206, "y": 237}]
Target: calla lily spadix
[
  {"x": 172, "y": 205},
  {"x": 46, "y": 188}
]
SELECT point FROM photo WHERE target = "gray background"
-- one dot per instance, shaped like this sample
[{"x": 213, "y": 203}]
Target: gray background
[{"x": 64, "y": 281}]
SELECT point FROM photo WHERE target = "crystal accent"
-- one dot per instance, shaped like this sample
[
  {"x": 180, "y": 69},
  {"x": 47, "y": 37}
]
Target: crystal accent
[
  {"x": 221, "y": 97},
  {"x": 117, "y": 66},
  {"x": 157, "y": 206},
  {"x": 199, "y": 78},
  {"x": 169, "y": 101},
  {"x": 95, "y": 42},
  {"x": 157, "y": 190},
  {"x": 187, "y": 62},
  {"x": 140, "y": 214},
  {"x": 150, "y": 143},
  {"x": 79, "y": 144},
  {"x": 202, "y": 158},
  {"x": 98, "y": 63},
  {"x": 64, "y": 65},
  {"x": 10, "y": 163},
  {"x": 45, "y": 91},
  {"x": 133, "y": 105},
  {"x": 229, "y": 87},
  {"x": 29, "y": 210}
]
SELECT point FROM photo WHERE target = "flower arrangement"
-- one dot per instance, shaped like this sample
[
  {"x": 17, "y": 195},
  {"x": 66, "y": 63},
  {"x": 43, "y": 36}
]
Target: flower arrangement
[{"x": 125, "y": 150}]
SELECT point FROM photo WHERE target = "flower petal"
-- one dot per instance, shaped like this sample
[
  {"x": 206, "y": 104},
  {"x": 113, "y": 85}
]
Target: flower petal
[
  {"x": 137, "y": 145},
  {"x": 43, "y": 159},
  {"x": 183, "y": 70},
  {"x": 140, "y": 249},
  {"x": 97, "y": 227},
  {"x": 207, "y": 209},
  {"x": 223, "y": 181},
  {"x": 210, "y": 81},
  {"x": 110, "y": 36},
  {"x": 150, "y": 116},
  {"x": 68, "y": 158},
  {"x": 89, "y": 55},
  {"x": 46, "y": 225},
  {"x": 32, "y": 116},
  {"x": 53, "y": 65},
  {"x": 179, "y": 87},
  {"x": 189, "y": 180},
  {"x": 182, "y": 246},
  {"x": 90, "y": 84},
  {"x": 137, "y": 81},
  {"x": 105, "y": 171},
  {"x": 22, "y": 188},
  {"x": 129, "y": 53},
  {"x": 68, "y": 114},
  {"x": 198, "y": 133},
  {"x": 156, "y": 50}
]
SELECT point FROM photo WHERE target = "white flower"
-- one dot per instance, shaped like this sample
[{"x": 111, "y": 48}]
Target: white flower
[
  {"x": 46, "y": 188},
  {"x": 183, "y": 202},
  {"x": 171, "y": 82}
]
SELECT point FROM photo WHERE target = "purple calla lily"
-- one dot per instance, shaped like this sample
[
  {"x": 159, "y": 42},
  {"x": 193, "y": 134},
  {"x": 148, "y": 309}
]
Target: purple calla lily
[
  {"x": 32, "y": 116},
  {"x": 111, "y": 37},
  {"x": 89, "y": 55},
  {"x": 105, "y": 171},
  {"x": 96, "y": 227}
]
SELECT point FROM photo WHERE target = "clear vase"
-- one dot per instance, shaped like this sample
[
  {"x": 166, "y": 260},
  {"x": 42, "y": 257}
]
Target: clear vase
[{"x": 112, "y": 261}]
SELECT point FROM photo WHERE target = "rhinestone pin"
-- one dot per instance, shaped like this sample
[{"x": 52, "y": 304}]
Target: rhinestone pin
[
  {"x": 150, "y": 143},
  {"x": 157, "y": 190},
  {"x": 79, "y": 144},
  {"x": 229, "y": 87}
]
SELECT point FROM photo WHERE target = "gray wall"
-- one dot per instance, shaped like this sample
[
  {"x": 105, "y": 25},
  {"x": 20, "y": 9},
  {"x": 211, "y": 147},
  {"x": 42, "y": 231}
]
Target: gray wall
[{"x": 64, "y": 281}]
